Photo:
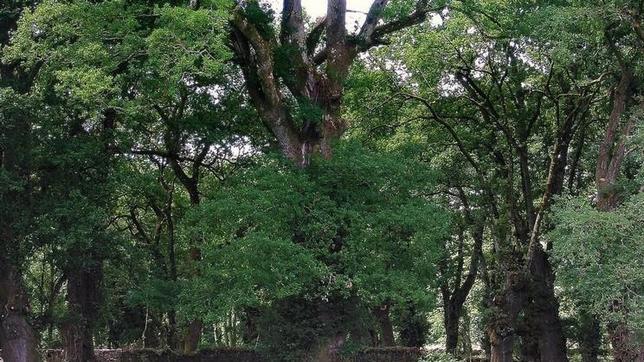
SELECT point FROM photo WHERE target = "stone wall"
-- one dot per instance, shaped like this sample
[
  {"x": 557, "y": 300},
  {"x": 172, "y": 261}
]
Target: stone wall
[
  {"x": 394, "y": 354},
  {"x": 149, "y": 355}
]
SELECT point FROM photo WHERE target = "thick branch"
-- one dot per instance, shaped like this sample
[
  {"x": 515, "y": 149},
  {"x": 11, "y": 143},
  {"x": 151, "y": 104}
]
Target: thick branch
[
  {"x": 313, "y": 39},
  {"x": 263, "y": 50},
  {"x": 416, "y": 17},
  {"x": 608, "y": 163},
  {"x": 373, "y": 17}
]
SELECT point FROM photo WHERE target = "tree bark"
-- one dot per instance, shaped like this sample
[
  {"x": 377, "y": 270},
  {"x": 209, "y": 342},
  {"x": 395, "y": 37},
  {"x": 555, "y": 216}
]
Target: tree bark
[
  {"x": 612, "y": 149},
  {"x": 552, "y": 341},
  {"x": 84, "y": 266},
  {"x": 313, "y": 78},
  {"x": 386, "y": 328},
  {"x": 506, "y": 308},
  {"x": 193, "y": 335},
  {"x": 450, "y": 320},
  {"x": 528, "y": 331},
  {"x": 453, "y": 300},
  {"x": 83, "y": 303},
  {"x": 589, "y": 338},
  {"x": 612, "y": 152},
  {"x": 626, "y": 347},
  {"x": 18, "y": 340}
]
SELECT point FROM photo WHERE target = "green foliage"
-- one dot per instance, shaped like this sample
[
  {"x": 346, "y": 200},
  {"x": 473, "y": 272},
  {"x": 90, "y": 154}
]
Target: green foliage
[
  {"x": 354, "y": 226},
  {"x": 300, "y": 256},
  {"x": 261, "y": 15},
  {"x": 358, "y": 222},
  {"x": 598, "y": 256},
  {"x": 187, "y": 44}
]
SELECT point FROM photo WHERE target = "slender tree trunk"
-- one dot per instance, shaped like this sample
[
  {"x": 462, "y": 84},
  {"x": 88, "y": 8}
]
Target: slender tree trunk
[
  {"x": 612, "y": 152},
  {"x": 18, "y": 340},
  {"x": 451, "y": 317},
  {"x": 465, "y": 336},
  {"x": 486, "y": 304},
  {"x": 172, "y": 329},
  {"x": 172, "y": 273},
  {"x": 191, "y": 183}
]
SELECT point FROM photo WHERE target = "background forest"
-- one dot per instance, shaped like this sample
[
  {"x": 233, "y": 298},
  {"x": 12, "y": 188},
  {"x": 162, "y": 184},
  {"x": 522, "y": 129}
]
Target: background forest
[{"x": 462, "y": 175}]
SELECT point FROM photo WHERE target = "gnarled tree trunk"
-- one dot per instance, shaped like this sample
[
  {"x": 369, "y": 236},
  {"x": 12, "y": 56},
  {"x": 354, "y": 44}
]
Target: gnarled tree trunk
[
  {"x": 506, "y": 306},
  {"x": 552, "y": 341},
  {"x": 316, "y": 72}
]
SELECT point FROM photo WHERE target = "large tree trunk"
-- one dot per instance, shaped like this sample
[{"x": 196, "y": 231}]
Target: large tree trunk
[
  {"x": 552, "y": 341},
  {"x": 589, "y": 338},
  {"x": 386, "y": 328},
  {"x": 316, "y": 74},
  {"x": 501, "y": 343},
  {"x": 193, "y": 335},
  {"x": 528, "y": 331},
  {"x": 315, "y": 77},
  {"x": 502, "y": 326},
  {"x": 17, "y": 338},
  {"x": 83, "y": 302},
  {"x": 84, "y": 268},
  {"x": 544, "y": 304}
]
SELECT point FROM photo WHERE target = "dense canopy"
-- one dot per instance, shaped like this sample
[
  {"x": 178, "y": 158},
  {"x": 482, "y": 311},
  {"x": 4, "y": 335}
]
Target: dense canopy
[{"x": 308, "y": 182}]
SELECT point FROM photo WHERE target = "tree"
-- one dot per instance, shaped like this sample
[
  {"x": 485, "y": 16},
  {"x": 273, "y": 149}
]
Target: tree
[
  {"x": 305, "y": 115},
  {"x": 503, "y": 95},
  {"x": 18, "y": 339},
  {"x": 213, "y": 170},
  {"x": 351, "y": 232},
  {"x": 130, "y": 85},
  {"x": 596, "y": 252}
]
